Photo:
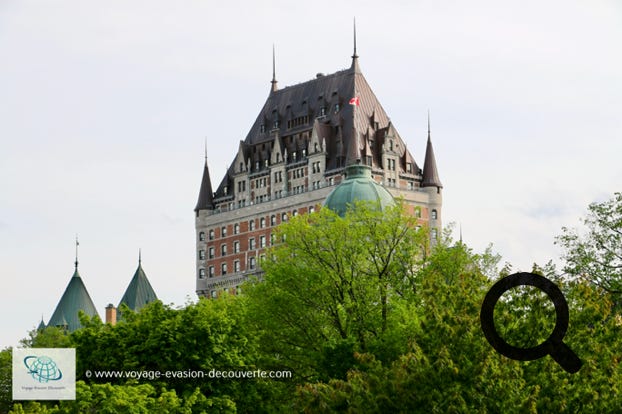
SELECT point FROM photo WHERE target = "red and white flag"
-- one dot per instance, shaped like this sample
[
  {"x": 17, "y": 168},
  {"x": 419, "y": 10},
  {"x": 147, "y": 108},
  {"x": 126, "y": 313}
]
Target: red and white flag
[{"x": 355, "y": 101}]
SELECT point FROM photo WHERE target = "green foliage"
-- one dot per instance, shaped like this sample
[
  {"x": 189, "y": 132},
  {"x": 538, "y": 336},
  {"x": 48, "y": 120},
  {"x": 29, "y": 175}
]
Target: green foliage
[
  {"x": 207, "y": 335},
  {"x": 335, "y": 287},
  {"x": 131, "y": 399},
  {"x": 597, "y": 254},
  {"x": 449, "y": 366},
  {"x": 6, "y": 392},
  {"x": 48, "y": 337},
  {"x": 370, "y": 318}
]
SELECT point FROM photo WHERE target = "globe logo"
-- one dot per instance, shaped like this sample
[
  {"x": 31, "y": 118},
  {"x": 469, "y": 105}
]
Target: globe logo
[{"x": 42, "y": 368}]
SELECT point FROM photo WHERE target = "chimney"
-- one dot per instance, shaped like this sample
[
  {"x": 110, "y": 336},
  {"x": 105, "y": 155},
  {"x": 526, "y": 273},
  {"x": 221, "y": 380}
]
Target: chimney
[{"x": 111, "y": 314}]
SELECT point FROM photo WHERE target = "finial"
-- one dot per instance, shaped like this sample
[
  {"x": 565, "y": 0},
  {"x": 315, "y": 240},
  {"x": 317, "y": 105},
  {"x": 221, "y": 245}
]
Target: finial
[
  {"x": 460, "y": 233},
  {"x": 428, "y": 124},
  {"x": 205, "y": 150},
  {"x": 139, "y": 256},
  {"x": 354, "y": 56},
  {"x": 77, "y": 244},
  {"x": 273, "y": 82}
]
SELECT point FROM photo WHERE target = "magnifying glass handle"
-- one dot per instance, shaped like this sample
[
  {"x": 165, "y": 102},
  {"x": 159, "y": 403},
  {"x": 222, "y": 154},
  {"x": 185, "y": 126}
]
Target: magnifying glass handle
[{"x": 566, "y": 358}]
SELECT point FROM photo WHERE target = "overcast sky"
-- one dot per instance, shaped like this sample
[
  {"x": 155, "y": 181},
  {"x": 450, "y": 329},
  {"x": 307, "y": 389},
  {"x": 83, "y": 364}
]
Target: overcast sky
[{"x": 105, "y": 107}]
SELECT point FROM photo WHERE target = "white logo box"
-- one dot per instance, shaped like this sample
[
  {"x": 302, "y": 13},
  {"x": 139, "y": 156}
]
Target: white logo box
[{"x": 44, "y": 373}]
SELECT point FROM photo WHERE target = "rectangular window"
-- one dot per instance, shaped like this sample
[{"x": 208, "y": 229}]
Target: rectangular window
[
  {"x": 202, "y": 236},
  {"x": 262, "y": 222},
  {"x": 251, "y": 244},
  {"x": 201, "y": 273},
  {"x": 211, "y": 253},
  {"x": 223, "y": 231},
  {"x": 211, "y": 271},
  {"x": 223, "y": 249},
  {"x": 223, "y": 269},
  {"x": 211, "y": 234},
  {"x": 262, "y": 241},
  {"x": 236, "y": 266},
  {"x": 236, "y": 228},
  {"x": 236, "y": 247},
  {"x": 251, "y": 225},
  {"x": 202, "y": 254}
]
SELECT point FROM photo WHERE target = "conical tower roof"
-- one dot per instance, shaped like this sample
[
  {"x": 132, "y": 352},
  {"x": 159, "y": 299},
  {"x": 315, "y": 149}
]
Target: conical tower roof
[
  {"x": 75, "y": 299},
  {"x": 206, "y": 195},
  {"x": 139, "y": 292},
  {"x": 430, "y": 172}
]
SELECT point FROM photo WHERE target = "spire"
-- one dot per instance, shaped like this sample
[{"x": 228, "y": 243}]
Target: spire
[
  {"x": 428, "y": 124},
  {"x": 41, "y": 325},
  {"x": 206, "y": 195},
  {"x": 77, "y": 244},
  {"x": 273, "y": 82},
  {"x": 355, "y": 57},
  {"x": 430, "y": 172}
]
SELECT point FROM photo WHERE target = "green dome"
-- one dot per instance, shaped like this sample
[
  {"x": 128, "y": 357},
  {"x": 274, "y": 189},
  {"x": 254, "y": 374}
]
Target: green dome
[{"x": 358, "y": 185}]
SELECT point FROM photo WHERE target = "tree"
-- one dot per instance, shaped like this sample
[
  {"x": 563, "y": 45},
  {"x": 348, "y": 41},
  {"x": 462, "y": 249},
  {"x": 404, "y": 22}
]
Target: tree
[
  {"x": 203, "y": 336},
  {"x": 450, "y": 367},
  {"x": 6, "y": 368},
  {"x": 597, "y": 254},
  {"x": 334, "y": 287}
]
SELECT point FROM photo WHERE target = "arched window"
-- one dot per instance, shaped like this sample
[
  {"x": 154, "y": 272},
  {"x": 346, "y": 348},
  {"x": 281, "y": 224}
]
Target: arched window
[{"x": 434, "y": 215}]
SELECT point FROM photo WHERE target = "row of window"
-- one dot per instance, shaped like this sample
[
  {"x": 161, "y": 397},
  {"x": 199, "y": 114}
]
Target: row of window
[
  {"x": 298, "y": 173},
  {"x": 252, "y": 265},
  {"x": 261, "y": 182},
  {"x": 316, "y": 167},
  {"x": 236, "y": 247},
  {"x": 236, "y": 227}
]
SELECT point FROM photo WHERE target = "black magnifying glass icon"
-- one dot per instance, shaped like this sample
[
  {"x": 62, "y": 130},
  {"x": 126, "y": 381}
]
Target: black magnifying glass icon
[{"x": 554, "y": 345}]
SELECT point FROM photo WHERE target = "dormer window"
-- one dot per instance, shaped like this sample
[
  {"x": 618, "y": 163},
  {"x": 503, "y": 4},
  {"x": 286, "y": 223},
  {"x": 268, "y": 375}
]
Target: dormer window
[
  {"x": 323, "y": 111},
  {"x": 304, "y": 152},
  {"x": 266, "y": 163},
  {"x": 337, "y": 108},
  {"x": 225, "y": 190},
  {"x": 256, "y": 165},
  {"x": 262, "y": 128}
]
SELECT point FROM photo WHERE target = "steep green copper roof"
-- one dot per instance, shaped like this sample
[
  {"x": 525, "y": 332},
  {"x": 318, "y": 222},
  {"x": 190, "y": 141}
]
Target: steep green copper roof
[
  {"x": 76, "y": 298},
  {"x": 139, "y": 292},
  {"x": 358, "y": 185}
]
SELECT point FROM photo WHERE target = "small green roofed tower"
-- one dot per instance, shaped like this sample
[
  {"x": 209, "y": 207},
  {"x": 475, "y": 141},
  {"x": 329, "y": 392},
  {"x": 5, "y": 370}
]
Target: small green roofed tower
[
  {"x": 358, "y": 185},
  {"x": 75, "y": 299},
  {"x": 139, "y": 292}
]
